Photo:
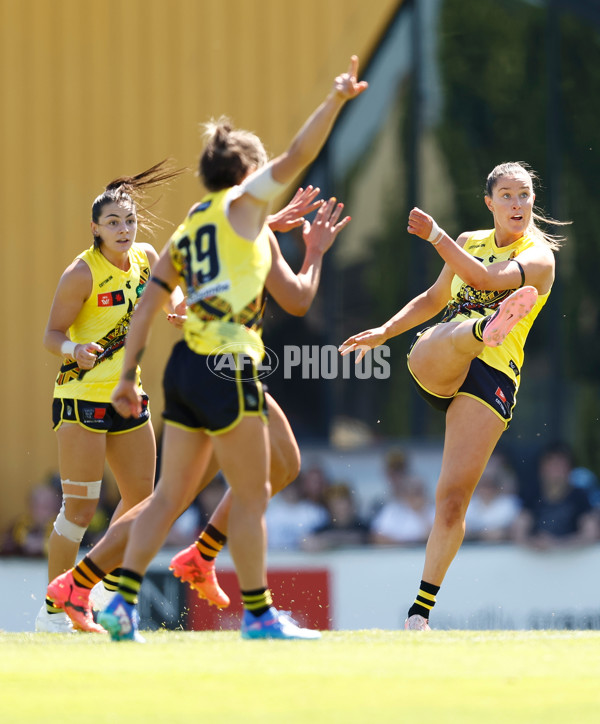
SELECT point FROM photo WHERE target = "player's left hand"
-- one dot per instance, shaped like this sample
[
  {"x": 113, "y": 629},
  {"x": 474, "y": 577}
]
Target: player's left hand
[{"x": 292, "y": 215}]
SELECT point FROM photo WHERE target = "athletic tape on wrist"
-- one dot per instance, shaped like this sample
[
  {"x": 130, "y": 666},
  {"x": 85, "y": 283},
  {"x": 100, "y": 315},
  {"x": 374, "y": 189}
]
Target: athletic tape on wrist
[
  {"x": 435, "y": 235},
  {"x": 68, "y": 348}
]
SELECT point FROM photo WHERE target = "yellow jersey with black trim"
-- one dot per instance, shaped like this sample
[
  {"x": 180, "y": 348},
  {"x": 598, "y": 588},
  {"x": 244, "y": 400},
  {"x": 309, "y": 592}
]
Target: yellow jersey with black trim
[
  {"x": 470, "y": 303},
  {"x": 104, "y": 318},
  {"x": 224, "y": 275}
]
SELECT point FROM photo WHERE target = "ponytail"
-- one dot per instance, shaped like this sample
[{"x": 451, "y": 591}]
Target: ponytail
[{"x": 132, "y": 190}]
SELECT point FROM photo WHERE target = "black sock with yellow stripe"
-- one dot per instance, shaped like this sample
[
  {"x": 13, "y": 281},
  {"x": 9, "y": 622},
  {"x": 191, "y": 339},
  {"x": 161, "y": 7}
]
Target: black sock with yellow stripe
[
  {"x": 111, "y": 580},
  {"x": 50, "y": 607},
  {"x": 130, "y": 583},
  {"x": 424, "y": 601},
  {"x": 478, "y": 328},
  {"x": 85, "y": 575},
  {"x": 210, "y": 542},
  {"x": 258, "y": 601}
]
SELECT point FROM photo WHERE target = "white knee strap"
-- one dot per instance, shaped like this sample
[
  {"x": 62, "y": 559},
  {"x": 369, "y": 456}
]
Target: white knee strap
[
  {"x": 69, "y": 530},
  {"x": 81, "y": 491}
]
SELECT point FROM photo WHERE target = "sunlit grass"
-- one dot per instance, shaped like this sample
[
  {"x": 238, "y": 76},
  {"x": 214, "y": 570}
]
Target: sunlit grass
[{"x": 348, "y": 676}]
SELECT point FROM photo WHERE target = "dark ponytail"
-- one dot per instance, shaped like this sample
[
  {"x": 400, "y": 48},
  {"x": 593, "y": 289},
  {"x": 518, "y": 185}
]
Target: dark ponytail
[{"x": 131, "y": 190}]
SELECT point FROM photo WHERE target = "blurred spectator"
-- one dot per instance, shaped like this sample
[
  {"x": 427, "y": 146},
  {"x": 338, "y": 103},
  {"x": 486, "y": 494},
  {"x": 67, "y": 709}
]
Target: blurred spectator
[
  {"x": 313, "y": 485},
  {"x": 495, "y": 505},
  {"x": 407, "y": 516},
  {"x": 345, "y": 527},
  {"x": 298, "y": 510},
  {"x": 562, "y": 515},
  {"x": 28, "y": 536}
]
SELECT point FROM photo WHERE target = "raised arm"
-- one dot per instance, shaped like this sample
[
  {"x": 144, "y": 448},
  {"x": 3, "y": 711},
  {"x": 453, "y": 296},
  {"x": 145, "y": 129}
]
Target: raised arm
[
  {"x": 310, "y": 139},
  {"x": 419, "y": 310},
  {"x": 537, "y": 263}
]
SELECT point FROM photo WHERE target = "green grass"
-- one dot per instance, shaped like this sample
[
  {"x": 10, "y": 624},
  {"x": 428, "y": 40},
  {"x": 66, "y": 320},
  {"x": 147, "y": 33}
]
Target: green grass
[{"x": 349, "y": 676}]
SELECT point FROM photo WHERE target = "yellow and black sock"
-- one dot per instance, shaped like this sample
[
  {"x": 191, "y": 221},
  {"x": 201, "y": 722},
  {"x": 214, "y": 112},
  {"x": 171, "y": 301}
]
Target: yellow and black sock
[
  {"x": 210, "y": 542},
  {"x": 50, "y": 607},
  {"x": 111, "y": 580},
  {"x": 424, "y": 601},
  {"x": 478, "y": 328},
  {"x": 130, "y": 583},
  {"x": 257, "y": 601},
  {"x": 86, "y": 573}
]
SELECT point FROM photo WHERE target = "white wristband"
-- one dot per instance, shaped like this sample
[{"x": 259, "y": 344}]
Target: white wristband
[
  {"x": 435, "y": 235},
  {"x": 68, "y": 348}
]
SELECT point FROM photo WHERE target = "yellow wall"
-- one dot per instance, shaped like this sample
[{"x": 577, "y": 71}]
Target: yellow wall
[{"x": 90, "y": 90}]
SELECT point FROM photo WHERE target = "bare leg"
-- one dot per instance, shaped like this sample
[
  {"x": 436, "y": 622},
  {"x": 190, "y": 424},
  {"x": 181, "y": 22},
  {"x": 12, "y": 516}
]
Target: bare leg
[
  {"x": 440, "y": 359},
  {"x": 185, "y": 456},
  {"x": 132, "y": 459},
  {"x": 285, "y": 463},
  {"x": 472, "y": 432},
  {"x": 81, "y": 455},
  {"x": 250, "y": 490}
]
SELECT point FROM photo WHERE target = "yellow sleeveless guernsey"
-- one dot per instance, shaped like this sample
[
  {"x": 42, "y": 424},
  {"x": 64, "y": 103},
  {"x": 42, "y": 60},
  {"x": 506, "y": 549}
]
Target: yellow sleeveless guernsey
[
  {"x": 469, "y": 303},
  {"x": 224, "y": 275},
  {"x": 104, "y": 318}
]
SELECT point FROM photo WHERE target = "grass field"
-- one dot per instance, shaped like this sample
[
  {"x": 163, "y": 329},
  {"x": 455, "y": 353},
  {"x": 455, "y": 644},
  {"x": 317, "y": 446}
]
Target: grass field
[{"x": 348, "y": 676}]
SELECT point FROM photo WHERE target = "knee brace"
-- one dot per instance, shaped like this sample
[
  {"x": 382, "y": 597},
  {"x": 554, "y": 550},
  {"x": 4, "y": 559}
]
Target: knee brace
[{"x": 81, "y": 491}]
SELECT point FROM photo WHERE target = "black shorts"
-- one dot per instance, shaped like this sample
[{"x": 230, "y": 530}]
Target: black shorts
[
  {"x": 211, "y": 392},
  {"x": 493, "y": 388},
  {"x": 96, "y": 416}
]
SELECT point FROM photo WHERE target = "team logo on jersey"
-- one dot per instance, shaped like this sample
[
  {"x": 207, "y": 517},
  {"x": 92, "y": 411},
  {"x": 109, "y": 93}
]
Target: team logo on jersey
[
  {"x": 200, "y": 207},
  {"x": 111, "y": 299}
]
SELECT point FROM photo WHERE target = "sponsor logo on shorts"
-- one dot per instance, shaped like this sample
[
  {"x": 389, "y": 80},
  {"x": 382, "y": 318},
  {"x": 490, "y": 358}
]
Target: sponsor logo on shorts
[{"x": 500, "y": 394}]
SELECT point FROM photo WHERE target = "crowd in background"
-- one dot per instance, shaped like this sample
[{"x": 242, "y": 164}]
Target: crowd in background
[{"x": 559, "y": 508}]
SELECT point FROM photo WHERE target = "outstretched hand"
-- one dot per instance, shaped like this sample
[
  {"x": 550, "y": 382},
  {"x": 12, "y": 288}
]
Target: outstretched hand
[
  {"x": 292, "y": 215},
  {"x": 320, "y": 235},
  {"x": 363, "y": 342},
  {"x": 346, "y": 85}
]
